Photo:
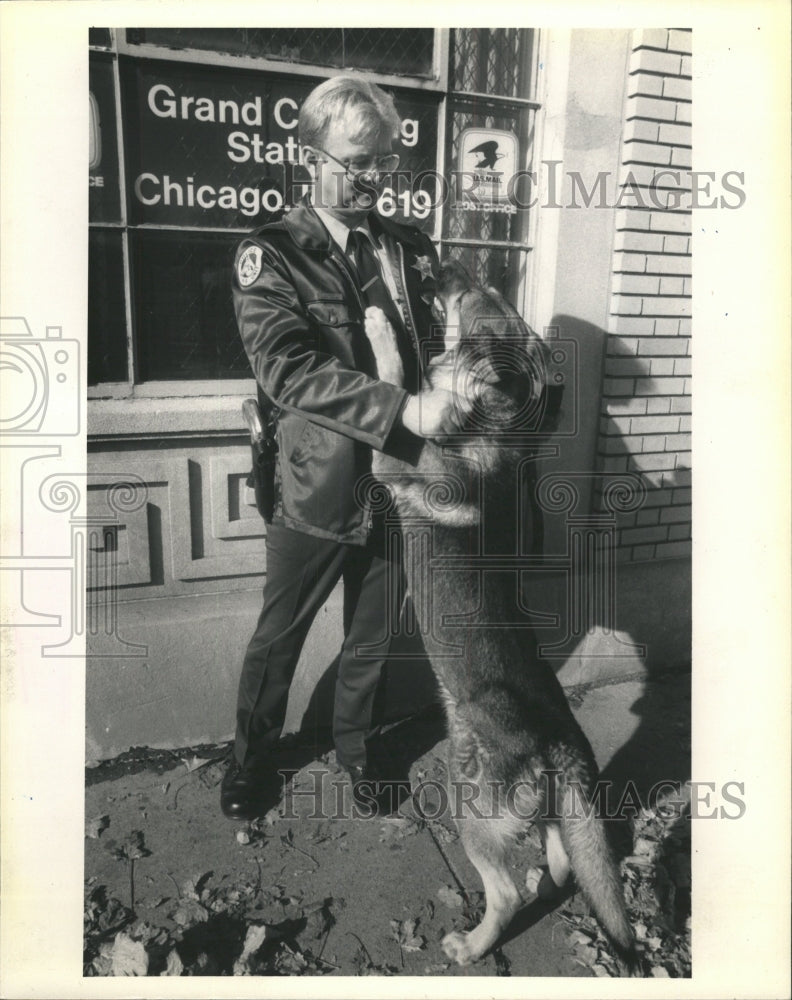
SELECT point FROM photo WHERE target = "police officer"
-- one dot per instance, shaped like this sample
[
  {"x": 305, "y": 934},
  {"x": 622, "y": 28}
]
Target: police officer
[{"x": 301, "y": 288}]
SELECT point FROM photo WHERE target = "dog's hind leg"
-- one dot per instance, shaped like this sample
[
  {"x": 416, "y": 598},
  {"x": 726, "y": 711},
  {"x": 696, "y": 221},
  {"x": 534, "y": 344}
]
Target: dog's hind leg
[{"x": 486, "y": 849}]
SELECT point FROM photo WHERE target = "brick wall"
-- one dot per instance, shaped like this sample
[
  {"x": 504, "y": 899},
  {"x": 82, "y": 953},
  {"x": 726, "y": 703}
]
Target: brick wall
[{"x": 645, "y": 420}]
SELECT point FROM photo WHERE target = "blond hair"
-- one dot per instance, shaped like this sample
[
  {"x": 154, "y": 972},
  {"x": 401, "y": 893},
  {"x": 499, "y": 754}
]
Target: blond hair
[{"x": 369, "y": 112}]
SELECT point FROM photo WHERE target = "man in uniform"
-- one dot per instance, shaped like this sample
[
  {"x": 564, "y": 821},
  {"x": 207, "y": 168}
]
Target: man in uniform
[{"x": 301, "y": 288}]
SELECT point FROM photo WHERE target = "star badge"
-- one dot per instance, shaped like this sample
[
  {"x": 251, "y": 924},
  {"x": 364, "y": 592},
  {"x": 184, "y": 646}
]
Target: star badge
[{"x": 423, "y": 266}]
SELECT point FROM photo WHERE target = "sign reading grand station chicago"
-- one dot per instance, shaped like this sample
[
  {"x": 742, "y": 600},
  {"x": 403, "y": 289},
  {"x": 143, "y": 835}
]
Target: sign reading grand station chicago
[{"x": 216, "y": 148}]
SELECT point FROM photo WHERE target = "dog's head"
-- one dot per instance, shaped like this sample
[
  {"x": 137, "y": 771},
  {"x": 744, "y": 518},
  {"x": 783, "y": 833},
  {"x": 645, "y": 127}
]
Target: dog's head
[
  {"x": 496, "y": 369},
  {"x": 494, "y": 364}
]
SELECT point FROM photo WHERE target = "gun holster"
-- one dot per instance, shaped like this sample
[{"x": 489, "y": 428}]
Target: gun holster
[{"x": 264, "y": 446}]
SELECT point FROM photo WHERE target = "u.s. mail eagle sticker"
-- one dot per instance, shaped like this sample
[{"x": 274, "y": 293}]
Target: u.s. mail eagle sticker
[{"x": 249, "y": 266}]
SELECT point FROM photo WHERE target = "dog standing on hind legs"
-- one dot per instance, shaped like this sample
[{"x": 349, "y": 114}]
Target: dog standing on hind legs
[{"x": 517, "y": 754}]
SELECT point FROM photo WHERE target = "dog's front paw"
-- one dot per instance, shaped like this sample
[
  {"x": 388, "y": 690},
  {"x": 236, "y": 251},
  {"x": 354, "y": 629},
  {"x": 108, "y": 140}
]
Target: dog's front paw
[{"x": 457, "y": 947}]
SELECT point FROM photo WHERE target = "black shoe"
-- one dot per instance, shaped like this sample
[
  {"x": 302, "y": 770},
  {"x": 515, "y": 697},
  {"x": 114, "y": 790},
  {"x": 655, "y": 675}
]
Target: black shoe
[
  {"x": 373, "y": 795},
  {"x": 246, "y": 792}
]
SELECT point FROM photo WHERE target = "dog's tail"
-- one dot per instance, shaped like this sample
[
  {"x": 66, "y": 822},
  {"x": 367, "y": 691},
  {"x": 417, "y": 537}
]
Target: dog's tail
[{"x": 584, "y": 836}]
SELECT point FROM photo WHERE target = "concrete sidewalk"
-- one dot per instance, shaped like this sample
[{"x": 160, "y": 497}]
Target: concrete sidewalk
[{"x": 337, "y": 896}]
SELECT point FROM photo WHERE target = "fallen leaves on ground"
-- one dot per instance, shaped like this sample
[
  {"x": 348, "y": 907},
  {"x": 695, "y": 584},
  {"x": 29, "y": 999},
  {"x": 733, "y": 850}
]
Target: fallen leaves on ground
[
  {"x": 403, "y": 932},
  {"x": 325, "y": 831},
  {"x": 254, "y": 939},
  {"x": 394, "y": 831},
  {"x": 128, "y": 957},
  {"x": 211, "y": 930},
  {"x": 95, "y": 827},
  {"x": 130, "y": 848},
  {"x": 364, "y": 965},
  {"x": 193, "y": 763},
  {"x": 450, "y": 897}
]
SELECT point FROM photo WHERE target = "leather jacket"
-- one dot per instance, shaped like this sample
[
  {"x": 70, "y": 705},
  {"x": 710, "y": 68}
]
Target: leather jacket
[{"x": 300, "y": 315}]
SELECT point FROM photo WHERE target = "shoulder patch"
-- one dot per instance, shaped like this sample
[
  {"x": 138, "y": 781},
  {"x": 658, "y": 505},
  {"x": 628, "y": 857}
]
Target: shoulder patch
[{"x": 249, "y": 266}]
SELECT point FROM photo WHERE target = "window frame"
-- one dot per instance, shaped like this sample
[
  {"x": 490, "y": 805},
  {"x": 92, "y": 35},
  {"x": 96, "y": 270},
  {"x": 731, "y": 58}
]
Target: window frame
[
  {"x": 448, "y": 103},
  {"x": 438, "y": 82}
]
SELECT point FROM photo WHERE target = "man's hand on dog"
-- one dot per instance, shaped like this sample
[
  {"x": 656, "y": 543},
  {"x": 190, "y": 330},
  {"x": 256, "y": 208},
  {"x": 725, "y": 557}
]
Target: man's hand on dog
[{"x": 433, "y": 413}]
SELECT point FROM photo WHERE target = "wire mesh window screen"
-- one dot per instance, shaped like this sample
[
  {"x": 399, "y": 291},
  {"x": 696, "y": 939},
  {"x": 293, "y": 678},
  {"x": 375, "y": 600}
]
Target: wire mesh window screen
[
  {"x": 491, "y": 74},
  {"x": 400, "y": 51},
  {"x": 492, "y": 60},
  {"x": 499, "y": 267}
]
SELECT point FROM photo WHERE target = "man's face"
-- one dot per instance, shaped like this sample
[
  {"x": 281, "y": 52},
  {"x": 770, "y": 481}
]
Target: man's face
[{"x": 334, "y": 191}]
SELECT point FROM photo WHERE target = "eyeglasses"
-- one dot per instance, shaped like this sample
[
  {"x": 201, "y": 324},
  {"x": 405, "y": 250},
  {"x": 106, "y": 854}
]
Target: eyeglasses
[{"x": 374, "y": 164}]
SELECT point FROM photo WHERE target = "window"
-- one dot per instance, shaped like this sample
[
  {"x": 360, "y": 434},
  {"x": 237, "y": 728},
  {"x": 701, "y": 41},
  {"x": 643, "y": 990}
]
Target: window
[
  {"x": 404, "y": 51},
  {"x": 492, "y": 71},
  {"x": 193, "y": 144}
]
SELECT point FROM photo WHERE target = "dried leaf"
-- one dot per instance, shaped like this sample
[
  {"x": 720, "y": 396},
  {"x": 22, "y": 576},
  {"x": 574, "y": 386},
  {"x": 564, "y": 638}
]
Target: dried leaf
[
  {"x": 450, "y": 897},
  {"x": 174, "y": 965},
  {"x": 396, "y": 829},
  {"x": 404, "y": 934},
  {"x": 134, "y": 847},
  {"x": 193, "y": 888},
  {"x": 190, "y": 912},
  {"x": 533, "y": 877},
  {"x": 659, "y": 972},
  {"x": 602, "y": 971},
  {"x": 129, "y": 957},
  {"x": 318, "y": 922},
  {"x": 254, "y": 939},
  {"x": 443, "y": 834},
  {"x": 94, "y": 827},
  {"x": 243, "y": 837},
  {"x": 291, "y": 963},
  {"x": 103, "y": 963},
  {"x": 193, "y": 763},
  {"x": 325, "y": 831}
]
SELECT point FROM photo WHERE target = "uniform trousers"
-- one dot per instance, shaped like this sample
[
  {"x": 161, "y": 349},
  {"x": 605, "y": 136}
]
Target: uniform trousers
[{"x": 302, "y": 570}]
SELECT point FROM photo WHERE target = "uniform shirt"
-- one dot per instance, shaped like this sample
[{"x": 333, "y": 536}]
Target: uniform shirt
[{"x": 339, "y": 233}]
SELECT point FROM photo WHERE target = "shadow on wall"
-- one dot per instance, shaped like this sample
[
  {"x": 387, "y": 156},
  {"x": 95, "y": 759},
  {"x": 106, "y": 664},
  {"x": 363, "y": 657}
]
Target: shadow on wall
[{"x": 616, "y": 500}]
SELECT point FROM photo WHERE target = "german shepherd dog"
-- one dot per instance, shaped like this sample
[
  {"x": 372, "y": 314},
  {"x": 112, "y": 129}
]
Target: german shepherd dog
[{"x": 514, "y": 744}]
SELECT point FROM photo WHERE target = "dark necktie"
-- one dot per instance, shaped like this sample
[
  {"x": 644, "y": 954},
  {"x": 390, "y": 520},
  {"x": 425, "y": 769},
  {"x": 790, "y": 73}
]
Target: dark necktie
[{"x": 375, "y": 293}]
